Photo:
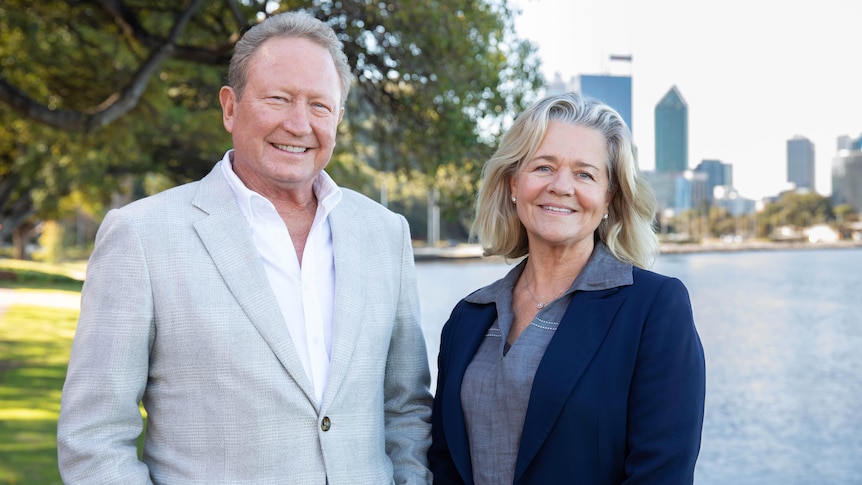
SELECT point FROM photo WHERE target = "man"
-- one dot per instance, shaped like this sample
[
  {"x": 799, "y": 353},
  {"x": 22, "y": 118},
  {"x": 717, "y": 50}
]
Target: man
[{"x": 266, "y": 319}]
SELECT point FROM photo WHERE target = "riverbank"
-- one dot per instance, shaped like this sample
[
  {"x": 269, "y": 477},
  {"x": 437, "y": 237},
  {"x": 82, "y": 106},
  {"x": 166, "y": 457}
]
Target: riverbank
[
  {"x": 724, "y": 247},
  {"x": 474, "y": 251}
]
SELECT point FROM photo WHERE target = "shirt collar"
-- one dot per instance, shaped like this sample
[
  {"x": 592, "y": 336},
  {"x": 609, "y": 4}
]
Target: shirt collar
[
  {"x": 602, "y": 271},
  {"x": 327, "y": 191}
]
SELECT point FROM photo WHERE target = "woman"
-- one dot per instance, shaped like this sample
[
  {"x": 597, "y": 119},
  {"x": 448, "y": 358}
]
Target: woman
[{"x": 579, "y": 366}]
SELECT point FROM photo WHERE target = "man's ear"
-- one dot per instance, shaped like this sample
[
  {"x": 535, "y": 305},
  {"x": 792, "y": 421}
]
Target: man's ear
[{"x": 227, "y": 98}]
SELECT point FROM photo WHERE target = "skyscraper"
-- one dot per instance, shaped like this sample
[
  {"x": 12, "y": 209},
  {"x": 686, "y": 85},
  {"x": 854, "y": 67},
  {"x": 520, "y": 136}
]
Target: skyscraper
[
  {"x": 847, "y": 175},
  {"x": 800, "y": 162},
  {"x": 615, "y": 91},
  {"x": 717, "y": 173},
  {"x": 671, "y": 133}
]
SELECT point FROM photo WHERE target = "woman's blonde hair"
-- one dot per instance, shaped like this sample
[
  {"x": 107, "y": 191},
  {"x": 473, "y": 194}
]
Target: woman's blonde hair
[{"x": 628, "y": 230}]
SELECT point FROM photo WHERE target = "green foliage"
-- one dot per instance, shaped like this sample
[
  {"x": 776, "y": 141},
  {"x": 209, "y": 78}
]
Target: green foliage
[
  {"x": 721, "y": 223},
  {"x": 797, "y": 209},
  {"x": 75, "y": 58},
  {"x": 430, "y": 75},
  {"x": 51, "y": 241},
  {"x": 436, "y": 83},
  {"x": 845, "y": 213}
]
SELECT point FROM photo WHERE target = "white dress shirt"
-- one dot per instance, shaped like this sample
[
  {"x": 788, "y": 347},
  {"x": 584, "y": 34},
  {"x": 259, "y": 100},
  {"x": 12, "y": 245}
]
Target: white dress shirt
[{"x": 306, "y": 292}]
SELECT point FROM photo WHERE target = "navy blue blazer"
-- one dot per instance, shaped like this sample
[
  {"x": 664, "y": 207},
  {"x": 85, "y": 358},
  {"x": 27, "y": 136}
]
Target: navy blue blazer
[{"x": 618, "y": 397}]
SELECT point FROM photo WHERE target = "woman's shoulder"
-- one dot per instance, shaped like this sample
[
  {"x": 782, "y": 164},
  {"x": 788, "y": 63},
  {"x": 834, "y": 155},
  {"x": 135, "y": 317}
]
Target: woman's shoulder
[{"x": 647, "y": 280}]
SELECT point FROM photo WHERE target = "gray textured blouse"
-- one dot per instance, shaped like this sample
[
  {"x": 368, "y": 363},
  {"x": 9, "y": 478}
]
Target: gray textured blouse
[{"x": 497, "y": 383}]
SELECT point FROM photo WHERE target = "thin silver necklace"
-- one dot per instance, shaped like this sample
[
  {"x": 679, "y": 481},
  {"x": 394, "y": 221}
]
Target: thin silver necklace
[{"x": 539, "y": 304}]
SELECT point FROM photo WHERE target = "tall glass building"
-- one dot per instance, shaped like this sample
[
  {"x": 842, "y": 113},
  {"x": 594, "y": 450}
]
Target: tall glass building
[
  {"x": 847, "y": 174},
  {"x": 615, "y": 91},
  {"x": 671, "y": 133},
  {"x": 800, "y": 162},
  {"x": 717, "y": 174}
]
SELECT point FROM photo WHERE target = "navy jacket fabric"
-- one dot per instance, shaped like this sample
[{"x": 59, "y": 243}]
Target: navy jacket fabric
[{"x": 618, "y": 397}]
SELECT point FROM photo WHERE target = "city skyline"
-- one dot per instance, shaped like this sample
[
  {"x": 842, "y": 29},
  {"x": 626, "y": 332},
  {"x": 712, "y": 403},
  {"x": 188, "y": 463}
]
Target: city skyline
[{"x": 753, "y": 75}]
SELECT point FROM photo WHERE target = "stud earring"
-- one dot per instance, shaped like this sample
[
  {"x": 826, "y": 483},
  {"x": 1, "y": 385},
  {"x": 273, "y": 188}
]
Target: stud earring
[
  {"x": 606, "y": 216},
  {"x": 514, "y": 200}
]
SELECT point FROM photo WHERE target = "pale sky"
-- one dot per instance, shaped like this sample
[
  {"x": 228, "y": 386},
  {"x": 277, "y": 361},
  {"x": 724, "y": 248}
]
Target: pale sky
[{"x": 753, "y": 73}]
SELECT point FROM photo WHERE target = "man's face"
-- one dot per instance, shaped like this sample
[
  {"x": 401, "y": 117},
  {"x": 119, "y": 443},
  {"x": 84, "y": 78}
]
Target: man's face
[{"x": 284, "y": 124}]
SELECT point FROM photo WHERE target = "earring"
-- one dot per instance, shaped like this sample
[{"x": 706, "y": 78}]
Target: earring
[
  {"x": 606, "y": 216},
  {"x": 514, "y": 200}
]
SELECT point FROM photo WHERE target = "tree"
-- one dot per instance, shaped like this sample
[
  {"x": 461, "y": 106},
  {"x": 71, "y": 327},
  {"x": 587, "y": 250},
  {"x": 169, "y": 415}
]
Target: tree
[
  {"x": 797, "y": 209},
  {"x": 130, "y": 87},
  {"x": 845, "y": 213}
]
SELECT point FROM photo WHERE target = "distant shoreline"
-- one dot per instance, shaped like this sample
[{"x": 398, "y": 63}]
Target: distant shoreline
[
  {"x": 474, "y": 251},
  {"x": 720, "y": 247}
]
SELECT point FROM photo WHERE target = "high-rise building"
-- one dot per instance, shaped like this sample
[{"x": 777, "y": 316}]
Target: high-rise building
[
  {"x": 717, "y": 174},
  {"x": 664, "y": 186},
  {"x": 800, "y": 162},
  {"x": 615, "y": 91},
  {"x": 671, "y": 133},
  {"x": 847, "y": 175},
  {"x": 691, "y": 191}
]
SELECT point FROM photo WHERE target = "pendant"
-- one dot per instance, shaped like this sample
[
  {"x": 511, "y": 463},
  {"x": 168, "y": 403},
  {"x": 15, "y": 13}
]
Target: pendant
[{"x": 540, "y": 305}]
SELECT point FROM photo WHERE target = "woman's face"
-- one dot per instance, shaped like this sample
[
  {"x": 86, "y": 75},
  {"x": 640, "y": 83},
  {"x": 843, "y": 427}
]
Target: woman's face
[{"x": 562, "y": 192}]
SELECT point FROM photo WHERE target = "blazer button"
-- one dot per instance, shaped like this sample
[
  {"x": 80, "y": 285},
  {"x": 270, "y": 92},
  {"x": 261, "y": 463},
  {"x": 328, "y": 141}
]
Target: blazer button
[{"x": 325, "y": 424}]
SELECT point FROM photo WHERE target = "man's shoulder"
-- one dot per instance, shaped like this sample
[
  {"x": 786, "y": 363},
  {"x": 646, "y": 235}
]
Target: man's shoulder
[
  {"x": 182, "y": 197},
  {"x": 169, "y": 198},
  {"x": 357, "y": 198},
  {"x": 360, "y": 202}
]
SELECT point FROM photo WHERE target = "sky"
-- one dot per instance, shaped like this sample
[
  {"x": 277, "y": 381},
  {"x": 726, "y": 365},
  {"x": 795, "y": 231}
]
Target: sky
[{"x": 753, "y": 73}]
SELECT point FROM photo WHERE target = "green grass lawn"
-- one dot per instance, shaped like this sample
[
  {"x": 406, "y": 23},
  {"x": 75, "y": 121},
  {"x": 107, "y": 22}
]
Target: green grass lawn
[
  {"x": 31, "y": 274},
  {"x": 35, "y": 342},
  {"x": 34, "y": 351}
]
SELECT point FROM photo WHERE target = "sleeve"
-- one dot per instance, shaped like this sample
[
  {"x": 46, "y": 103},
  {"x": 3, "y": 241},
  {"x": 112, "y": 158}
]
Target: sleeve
[
  {"x": 666, "y": 403},
  {"x": 439, "y": 456},
  {"x": 407, "y": 399},
  {"x": 100, "y": 418}
]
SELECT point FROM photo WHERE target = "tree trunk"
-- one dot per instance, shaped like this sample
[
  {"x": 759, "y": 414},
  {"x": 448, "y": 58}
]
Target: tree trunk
[{"x": 19, "y": 241}]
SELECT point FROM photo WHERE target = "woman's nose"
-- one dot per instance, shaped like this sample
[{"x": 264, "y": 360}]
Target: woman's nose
[{"x": 563, "y": 183}]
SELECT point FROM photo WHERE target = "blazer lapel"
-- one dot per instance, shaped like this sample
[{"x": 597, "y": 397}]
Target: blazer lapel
[
  {"x": 473, "y": 323},
  {"x": 349, "y": 293},
  {"x": 580, "y": 335},
  {"x": 224, "y": 233}
]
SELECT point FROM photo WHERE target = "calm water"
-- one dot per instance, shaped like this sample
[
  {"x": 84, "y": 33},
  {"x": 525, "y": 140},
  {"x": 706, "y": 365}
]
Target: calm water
[{"x": 782, "y": 333}]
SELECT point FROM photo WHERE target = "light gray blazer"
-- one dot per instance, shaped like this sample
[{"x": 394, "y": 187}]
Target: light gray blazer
[{"x": 177, "y": 313}]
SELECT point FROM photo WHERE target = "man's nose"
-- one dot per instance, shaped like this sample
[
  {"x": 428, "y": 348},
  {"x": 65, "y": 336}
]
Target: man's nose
[{"x": 296, "y": 119}]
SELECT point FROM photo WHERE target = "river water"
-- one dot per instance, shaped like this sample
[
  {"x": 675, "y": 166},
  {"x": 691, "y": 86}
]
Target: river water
[{"x": 782, "y": 334}]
